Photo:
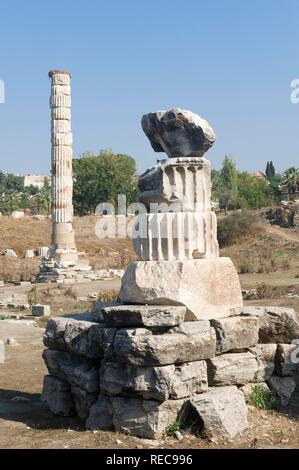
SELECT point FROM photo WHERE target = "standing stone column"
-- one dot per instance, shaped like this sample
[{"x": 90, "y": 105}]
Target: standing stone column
[
  {"x": 63, "y": 261},
  {"x": 63, "y": 237}
]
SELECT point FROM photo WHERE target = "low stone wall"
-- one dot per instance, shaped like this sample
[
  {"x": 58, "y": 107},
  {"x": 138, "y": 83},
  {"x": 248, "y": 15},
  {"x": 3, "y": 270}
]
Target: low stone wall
[{"x": 139, "y": 369}]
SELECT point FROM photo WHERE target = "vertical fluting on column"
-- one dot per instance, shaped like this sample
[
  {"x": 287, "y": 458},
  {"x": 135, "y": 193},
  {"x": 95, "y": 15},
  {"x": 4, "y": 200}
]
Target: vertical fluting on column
[{"x": 63, "y": 239}]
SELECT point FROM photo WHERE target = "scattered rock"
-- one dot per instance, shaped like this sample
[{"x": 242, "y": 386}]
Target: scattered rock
[
  {"x": 41, "y": 310},
  {"x": 101, "y": 415},
  {"x": 9, "y": 253},
  {"x": 17, "y": 215}
]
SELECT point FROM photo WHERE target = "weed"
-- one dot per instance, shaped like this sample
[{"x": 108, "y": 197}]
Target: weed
[{"x": 263, "y": 399}]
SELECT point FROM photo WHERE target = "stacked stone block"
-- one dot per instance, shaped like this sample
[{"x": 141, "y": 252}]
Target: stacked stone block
[{"x": 141, "y": 368}]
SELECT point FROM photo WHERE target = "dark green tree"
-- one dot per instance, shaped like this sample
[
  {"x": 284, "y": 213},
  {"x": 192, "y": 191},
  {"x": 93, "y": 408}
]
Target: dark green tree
[{"x": 101, "y": 178}]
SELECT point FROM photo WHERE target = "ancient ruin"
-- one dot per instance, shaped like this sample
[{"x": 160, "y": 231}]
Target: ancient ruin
[
  {"x": 178, "y": 237},
  {"x": 63, "y": 260},
  {"x": 180, "y": 349}
]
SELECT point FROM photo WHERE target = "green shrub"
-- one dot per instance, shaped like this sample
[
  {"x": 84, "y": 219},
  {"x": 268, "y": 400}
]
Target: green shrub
[{"x": 263, "y": 399}]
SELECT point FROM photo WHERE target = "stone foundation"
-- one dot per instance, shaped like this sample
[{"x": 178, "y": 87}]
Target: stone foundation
[{"x": 141, "y": 368}]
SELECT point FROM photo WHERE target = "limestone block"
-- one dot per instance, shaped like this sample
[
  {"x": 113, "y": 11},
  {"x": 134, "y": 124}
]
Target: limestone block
[
  {"x": 223, "y": 411},
  {"x": 62, "y": 139},
  {"x": 101, "y": 415},
  {"x": 62, "y": 153},
  {"x": 144, "y": 315},
  {"x": 236, "y": 333},
  {"x": 29, "y": 254},
  {"x": 144, "y": 418},
  {"x": 265, "y": 356},
  {"x": 287, "y": 360},
  {"x": 42, "y": 251},
  {"x": 83, "y": 401},
  {"x": 74, "y": 370},
  {"x": 156, "y": 383},
  {"x": 277, "y": 324},
  {"x": 88, "y": 339},
  {"x": 17, "y": 215},
  {"x": 41, "y": 310},
  {"x": 232, "y": 369},
  {"x": 61, "y": 126},
  {"x": 61, "y": 89},
  {"x": 60, "y": 78},
  {"x": 209, "y": 288},
  {"x": 54, "y": 334},
  {"x": 60, "y": 100},
  {"x": 155, "y": 350},
  {"x": 61, "y": 113},
  {"x": 9, "y": 253},
  {"x": 282, "y": 388},
  {"x": 176, "y": 236},
  {"x": 57, "y": 394},
  {"x": 178, "y": 132}
]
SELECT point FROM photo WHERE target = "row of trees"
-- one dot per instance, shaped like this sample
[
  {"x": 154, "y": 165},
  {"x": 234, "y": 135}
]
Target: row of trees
[
  {"x": 241, "y": 190},
  {"x": 13, "y": 195},
  {"x": 102, "y": 177}
]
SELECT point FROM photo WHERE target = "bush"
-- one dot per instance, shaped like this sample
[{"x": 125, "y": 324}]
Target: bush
[
  {"x": 263, "y": 399},
  {"x": 236, "y": 226}
]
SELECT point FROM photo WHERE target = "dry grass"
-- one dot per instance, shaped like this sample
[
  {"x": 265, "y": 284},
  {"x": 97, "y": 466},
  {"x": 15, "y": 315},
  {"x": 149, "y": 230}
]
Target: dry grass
[{"x": 28, "y": 233}]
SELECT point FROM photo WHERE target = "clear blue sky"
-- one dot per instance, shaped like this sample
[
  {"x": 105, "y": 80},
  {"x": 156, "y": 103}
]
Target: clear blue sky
[{"x": 231, "y": 61}]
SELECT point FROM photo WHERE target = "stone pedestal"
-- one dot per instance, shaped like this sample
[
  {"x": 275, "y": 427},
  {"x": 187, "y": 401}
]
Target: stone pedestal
[{"x": 209, "y": 288}]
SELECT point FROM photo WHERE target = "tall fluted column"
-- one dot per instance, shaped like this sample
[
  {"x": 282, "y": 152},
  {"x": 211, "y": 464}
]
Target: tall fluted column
[{"x": 63, "y": 237}]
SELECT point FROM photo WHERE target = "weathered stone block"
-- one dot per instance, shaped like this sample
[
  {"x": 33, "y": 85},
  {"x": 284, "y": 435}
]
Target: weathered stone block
[
  {"x": 144, "y": 315},
  {"x": 232, "y": 369},
  {"x": 41, "y": 310},
  {"x": 235, "y": 333},
  {"x": 222, "y": 410},
  {"x": 75, "y": 370},
  {"x": 57, "y": 394},
  {"x": 156, "y": 350},
  {"x": 88, "y": 339},
  {"x": 209, "y": 288},
  {"x": 154, "y": 383},
  {"x": 276, "y": 324},
  {"x": 144, "y": 418},
  {"x": 54, "y": 334},
  {"x": 101, "y": 415},
  {"x": 265, "y": 356},
  {"x": 287, "y": 360},
  {"x": 282, "y": 388},
  {"x": 83, "y": 401},
  {"x": 178, "y": 132}
]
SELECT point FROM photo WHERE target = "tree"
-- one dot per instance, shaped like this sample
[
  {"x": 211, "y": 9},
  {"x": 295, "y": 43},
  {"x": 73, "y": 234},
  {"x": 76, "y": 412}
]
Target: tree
[
  {"x": 43, "y": 200},
  {"x": 253, "y": 192},
  {"x": 226, "y": 188},
  {"x": 290, "y": 179},
  {"x": 270, "y": 170},
  {"x": 101, "y": 178}
]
